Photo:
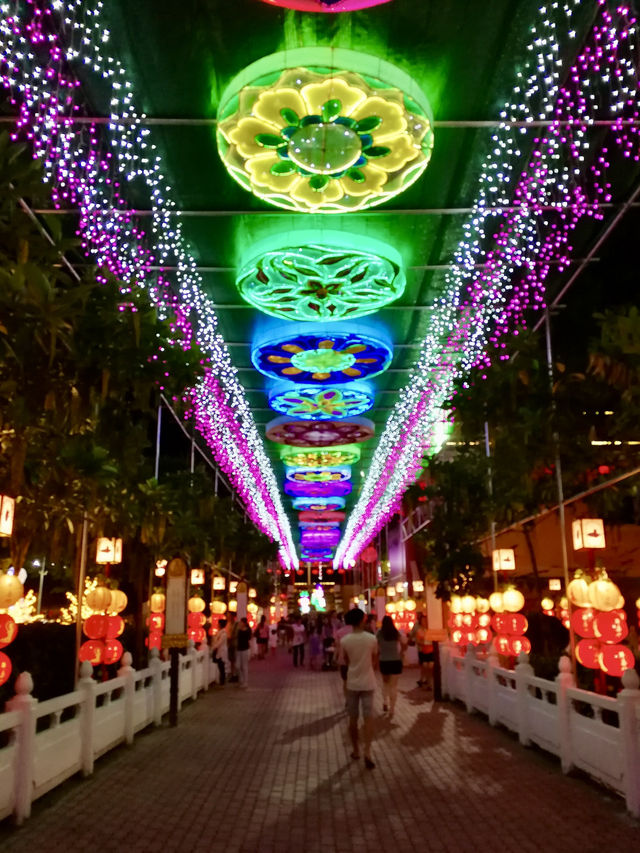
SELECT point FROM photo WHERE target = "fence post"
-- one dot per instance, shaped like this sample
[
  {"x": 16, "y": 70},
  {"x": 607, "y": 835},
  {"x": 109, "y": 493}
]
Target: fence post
[
  {"x": 523, "y": 672},
  {"x": 193, "y": 656},
  {"x": 469, "y": 675},
  {"x": 493, "y": 662},
  {"x": 564, "y": 680},
  {"x": 126, "y": 671},
  {"x": 25, "y": 705},
  {"x": 629, "y": 701},
  {"x": 87, "y": 686},
  {"x": 156, "y": 686}
]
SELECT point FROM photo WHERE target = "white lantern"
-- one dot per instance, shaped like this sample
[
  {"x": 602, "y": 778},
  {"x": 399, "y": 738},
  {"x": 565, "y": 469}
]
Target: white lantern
[
  {"x": 161, "y": 568},
  {"x": 219, "y": 582},
  {"x": 233, "y": 586},
  {"x": 418, "y": 586},
  {"x": 400, "y": 587},
  {"x": 7, "y": 510},
  {"x": 588, "y": 533},
  {"x": 108, "y": 551},
  {"x": 555, "y": 584},
  {"x": 252, "y": 592},
  {"x": 504, "y": 560},
  {"x": 197, "y": 577}
]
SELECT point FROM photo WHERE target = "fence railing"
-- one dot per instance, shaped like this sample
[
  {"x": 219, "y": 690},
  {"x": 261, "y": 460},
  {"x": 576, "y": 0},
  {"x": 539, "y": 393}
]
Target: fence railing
[
  {"x": 44, "y": 743},
  {"x": 597, "y": 734}
]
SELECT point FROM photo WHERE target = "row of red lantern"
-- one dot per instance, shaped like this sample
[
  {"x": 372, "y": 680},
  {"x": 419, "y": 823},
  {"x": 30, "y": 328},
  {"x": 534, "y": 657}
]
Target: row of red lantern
[
  {"x": 600, "y": 647},
  {"x": 8, "y": 633},
  {"x": 102, "y": 645},
  {"x": 470, "y": 628}
]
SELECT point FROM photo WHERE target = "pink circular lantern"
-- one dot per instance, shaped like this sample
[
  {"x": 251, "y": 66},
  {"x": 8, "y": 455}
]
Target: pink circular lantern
[
  {"x": 614, "y": 660},
  {"x": 326, "y": 5},
  {"x": 317, "y": 490},
  {"x": 323, "y": 516},
  {"x": 323, "y": 434},
  {"x": 369, "y": 555},
  {"x": 611, "y": 627}
]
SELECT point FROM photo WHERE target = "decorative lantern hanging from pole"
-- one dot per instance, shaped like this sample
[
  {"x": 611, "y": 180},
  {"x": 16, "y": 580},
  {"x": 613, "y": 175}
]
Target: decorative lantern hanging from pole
[
  {"x": 588, "y": 533},
  {"x": 7, "y": 509},
  {"x": 108, "y": 551},
  {"x": 504, "y": 560}
]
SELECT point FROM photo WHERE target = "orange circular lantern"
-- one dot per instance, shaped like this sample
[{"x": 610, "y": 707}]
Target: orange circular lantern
[
  {"x": 468, "y": 604},
  {"x": 482, "y": 605},
  {"x": 587, "y": 652},
  {"x": 578, "y": 592},
  {"x": 5, "y": 667},
  {"x": 196, "y": 604},
  {"x": 615, "y": 660},
  {"x": 8, "y": 630},
  {"x": 455, "y": 604},
  {"x": 11, "y": 591},
  {"x": 115, "y": 627},
  {"x": 157, "y": 602},
  {"x": 198, "y": 635},
  {"x": 611, "y": 627},
  {"x": 582, "y": 621},
  {"x": 95, "y": 627},
  {"x": 496, "y": 602},
  {"x": 154, "y": 640},
  {"x": 156, "y": 622},
  {"x": 119, "y": 601},
  {"x": 547, "y": 604},
  {"x": 519, "y": 644},
  {"x": 218, "y": 607},
  {"x": 98, "y": 598},
  {"x": 93, "y": 651},
  {"x": 501, "y": 642},
  {"x": 112, "y": 651},
  {"x": 196, "y": 620},
  {"x": 604, "y": 595},
  {"x": 513, "y": 600}
]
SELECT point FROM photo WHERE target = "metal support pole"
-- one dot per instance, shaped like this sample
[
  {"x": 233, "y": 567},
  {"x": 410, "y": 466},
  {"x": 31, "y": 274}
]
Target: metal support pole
[
  {"x": 42, "y": 573},
  {"x": 559, "y": 486},
  {"x": 158, "y": 436},
  {"x": 487, "y": 451},
  {"x": 80, "y": 591}
]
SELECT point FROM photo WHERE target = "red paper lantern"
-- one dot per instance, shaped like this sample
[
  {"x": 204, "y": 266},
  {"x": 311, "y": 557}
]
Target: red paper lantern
[
  {"x": 156, "y": 622},
  {"x": 93, "y": 651},
  {"x": 8, "y": 630},
  {"x": 515, "y": 623},
  {"x": 198, "y": 635},
  {"x": 5, "y": 667},
  {"x": 582, "y": 621},
  {"x": 455, "y": 620},
  {"x": 614, "y": 660},
  {"x": 95, "y": 627},
  {"x": 501, "y": 642},
  {"x": 112, "y": 651},
  {"x": 457, "y": 636},
  {"x": 484, "y": 635},
  {"x": 587, "y": 652},
  {"x": 469, "y": 621},
  {"x": 154, "y": 640},
  {"x": 115, "y": 627},
  {"x": 611, "y": 627},
  {"x": 519, "y": 644},
  {"x": 484, "y": 620},
  {"x": 196, "y": 620},
  {"x": 369, "y": 555},
  {"x": 499, "y": 623}
]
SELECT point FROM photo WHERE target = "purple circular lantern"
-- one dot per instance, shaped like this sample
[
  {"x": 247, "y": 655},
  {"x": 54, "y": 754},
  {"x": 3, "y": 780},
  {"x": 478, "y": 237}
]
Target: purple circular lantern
[{"x": 317, "y": 490}]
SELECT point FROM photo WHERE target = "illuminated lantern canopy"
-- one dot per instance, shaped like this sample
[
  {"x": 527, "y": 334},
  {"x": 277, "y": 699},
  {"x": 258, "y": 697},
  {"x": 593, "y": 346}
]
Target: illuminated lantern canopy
[
  {"x": 321, "y": 354},
  {"x": 312, "y": 490},
  {"x": 310, "y": 434},
  {"x": 588, "y": 533},
  {"x": 325, "y": 141},
  {"x": 7, "y": 511},
  {"x": 319, "y": 539},
  {"x": 314, "y": 404},
  {"x": 326, "y": 5},
  {"x": 326, "y": 276},
  {"x": 504, "y": 560},
  {"x": 320, "y": 457},
  {"x": 319, "y": 475}
]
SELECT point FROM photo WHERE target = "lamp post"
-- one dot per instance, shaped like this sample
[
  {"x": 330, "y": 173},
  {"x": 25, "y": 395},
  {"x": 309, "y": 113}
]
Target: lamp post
[{"x": 42, "y": 572}]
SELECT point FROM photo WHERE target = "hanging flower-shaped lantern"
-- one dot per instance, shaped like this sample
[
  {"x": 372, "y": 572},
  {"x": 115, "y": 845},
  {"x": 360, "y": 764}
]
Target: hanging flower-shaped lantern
[
  {"x": 316, "y": 554},
  {"x": 319, "y": 516},
  {"x": 320, "y": 539},
  {"x": 320, "y": 506},
  {"x": 312, "y": 434},
  {"x": 320, "y": 457},
  {"x": 319, "y": 475},
  {"x": 324, "y": 130},
  {"x": 319, "y": 525},
  {"x": 319, "y": 355},
  {"x": 311, "y": 403},
  {"x": 326, "y": 5},
  {"x": 327, "y": 275},
  {"x": 317, "y": 490}
]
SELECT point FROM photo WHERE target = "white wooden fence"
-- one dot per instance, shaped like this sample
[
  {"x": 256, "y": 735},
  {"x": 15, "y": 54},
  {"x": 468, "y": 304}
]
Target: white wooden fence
[
  {"x": 52, "y": 740},
  {"x": 597, "y": 734}
]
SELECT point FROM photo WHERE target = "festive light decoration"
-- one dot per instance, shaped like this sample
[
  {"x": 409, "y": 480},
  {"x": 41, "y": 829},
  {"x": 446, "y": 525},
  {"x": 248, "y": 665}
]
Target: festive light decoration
[
  {"x": 324, "y": 433},
  {"x": 320, "y": 457},
  {"x": 588, "y": 533},
  {"x": 504, "y": 560},
  {"x": 319, "y": 538},
  {"x": 319, "y": 505},
  {"x": 322, "y": 517},
  {"x": 313, "y": 404},
  {"x": 315, "y": 140},
  {"x": 319, "y": 354},
  {"x": 41, "y": 45},
  {"x": 326, "y": 275},
  {"x": 11, "y": 590},
  {"x": 326, "y": 5},
  {"x": 520, "y": 229},
  {"x": 7, "y": 511},
  {"x": 319, "y": 475},
  {"x": 317, "y": 490},
  {"x": 316, "y": 554},
  {"x": 108, "y": 551}
]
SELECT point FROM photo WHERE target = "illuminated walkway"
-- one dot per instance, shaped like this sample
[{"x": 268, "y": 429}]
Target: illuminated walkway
[{"x": 266, "y": 770}]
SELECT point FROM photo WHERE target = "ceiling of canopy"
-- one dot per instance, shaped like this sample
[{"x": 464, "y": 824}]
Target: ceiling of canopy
[{"x": 455, "y": 63}]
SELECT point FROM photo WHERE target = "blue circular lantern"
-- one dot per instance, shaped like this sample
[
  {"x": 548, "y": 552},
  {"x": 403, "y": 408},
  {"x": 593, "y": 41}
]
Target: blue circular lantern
[{"x": 310, "y": 403}]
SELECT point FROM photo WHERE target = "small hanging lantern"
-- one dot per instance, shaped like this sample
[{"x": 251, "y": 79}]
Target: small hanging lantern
[
  {"x": 588, "y": 533},
  {"x": 7, "y": 510},
  {"x": 108, "y": 551},
  {"x": 555, "y": 584},
  {"x": 219, "y": 583},
  {"x": 418, "y": 586},
  {"x": 504, "y": 560},
  {"x": 161, "y": 568},
  {"x": 197, "y": 577}
]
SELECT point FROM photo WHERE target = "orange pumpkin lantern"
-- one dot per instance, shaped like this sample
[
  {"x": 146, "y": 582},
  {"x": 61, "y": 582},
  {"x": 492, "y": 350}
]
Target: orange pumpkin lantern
[
  {"x": 99, "y": 598},
  {"x": 611, "y": 627},
  {"x": 8, "y": 630},
  {"x": 93, "y": 651},
  {"x": 615, "y": 659},
  {"x": 496, "y": 602},
  {"x": 112, "y": 651},
  {"x": 468, "y": 604},
  {"x": 587, "y": 652},
  {"x": 604, "y": 594},
  {"x": 95, "y": 627},
  {"x": 196, "y": 604},
  {"x": 5, "y": 667},
  {"x": 582, "y": 621},
  {"x": 115, "y": 627},
  {"x": 11, "y": 591},
  {"x": 157, "y": 602},
  {"x": 119, "y": 601},
  {"x": 513, "y": 600},
  {"x": 578, "y": 592}
]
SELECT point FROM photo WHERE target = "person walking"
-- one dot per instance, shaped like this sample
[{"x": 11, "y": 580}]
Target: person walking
[
  {"x": 232, "y": 636},
  {"x": 219, "y": 649},
  {"x": 425, "y": 651},
  {"x": 299, "y": 637},
  {"x": 390, "y": 650},
  {"x": 262, "y": 636},
  {"x": 243, "y": 646},
  {"x": 360, "y": 649}
]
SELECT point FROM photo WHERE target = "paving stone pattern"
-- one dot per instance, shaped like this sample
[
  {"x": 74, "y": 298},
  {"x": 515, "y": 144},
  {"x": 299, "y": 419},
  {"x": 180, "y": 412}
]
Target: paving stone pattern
[{"x": 267, "y": 770}]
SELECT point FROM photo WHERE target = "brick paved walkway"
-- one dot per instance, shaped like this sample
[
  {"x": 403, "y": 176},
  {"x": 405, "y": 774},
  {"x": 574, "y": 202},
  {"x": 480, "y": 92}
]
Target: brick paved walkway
[{"x": 267, "y": 770}]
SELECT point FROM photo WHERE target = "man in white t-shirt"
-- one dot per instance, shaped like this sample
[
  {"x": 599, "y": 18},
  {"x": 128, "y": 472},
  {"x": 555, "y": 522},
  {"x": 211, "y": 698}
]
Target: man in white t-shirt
[{"x": 360, "y": 650}]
